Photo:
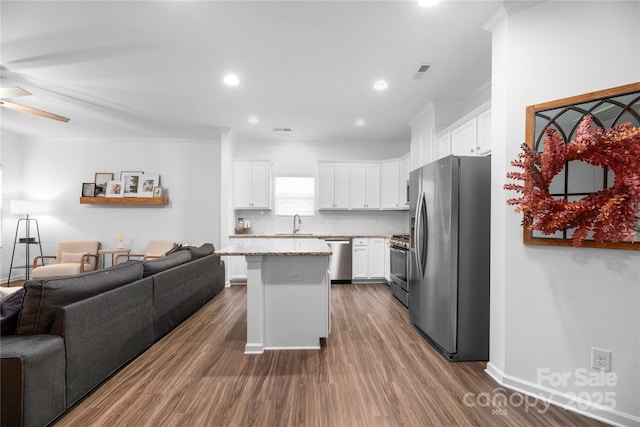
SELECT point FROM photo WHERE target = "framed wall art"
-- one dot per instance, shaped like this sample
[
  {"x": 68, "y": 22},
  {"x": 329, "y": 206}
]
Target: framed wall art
[
  {"x": 146, "y": 184},
  {"x": 131, "y": 182},
  {"x": 115, "y": 188},
  {"x": 101, "y": 179},
  {"x": 88, "y": 189},
  {"x": 579, "y": 177}
]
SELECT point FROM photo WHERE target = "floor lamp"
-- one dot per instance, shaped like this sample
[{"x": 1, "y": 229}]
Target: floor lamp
[{"x": 25, "y": 207}]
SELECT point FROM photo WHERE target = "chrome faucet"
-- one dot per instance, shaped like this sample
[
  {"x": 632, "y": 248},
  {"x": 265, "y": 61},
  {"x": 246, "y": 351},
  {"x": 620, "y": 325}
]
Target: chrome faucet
[{"x": 296, "y": 224}]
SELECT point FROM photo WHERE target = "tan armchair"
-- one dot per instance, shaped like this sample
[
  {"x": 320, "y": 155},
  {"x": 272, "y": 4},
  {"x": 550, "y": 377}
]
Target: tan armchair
[
  {"x": 72, "y": 257},
  {"x": 155, "y": 249}
]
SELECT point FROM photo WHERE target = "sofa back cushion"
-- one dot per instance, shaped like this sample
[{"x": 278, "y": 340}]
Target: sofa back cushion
[
  {"x": 156, "y": 265},
  {"x": 10, "y": 311},
  {"x": 43, "y": 297},
  {"x": 199, "y": 252}
]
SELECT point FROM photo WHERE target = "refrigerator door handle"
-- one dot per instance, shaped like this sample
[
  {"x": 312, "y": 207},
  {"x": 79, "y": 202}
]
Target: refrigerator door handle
[{"x": 418, "y": 232}]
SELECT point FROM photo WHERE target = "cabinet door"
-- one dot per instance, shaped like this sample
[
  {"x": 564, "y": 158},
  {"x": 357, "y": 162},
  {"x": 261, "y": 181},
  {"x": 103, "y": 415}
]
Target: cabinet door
[
  {"x": 443, "y": 146},
  {"x": 387, "y": 261},
  {"x": 377, "y": 249},
  {"x": 403, "y": 190},
  {"x": 372, "y": 186},
  {"x": 358, "y": 186},
  {"x": 464, "y": 139},
  {"x": 360, "y": 262},
  {"x": 237, "y": 268},
  {"x": 261, "y": 185},
  {"x": 390, "y": 185},
  {"x": 242, "y": 184},
  {"x": 483, "y": 146},
  {"x": 327, "y": 185},
  {"x": 341, "y": 180}
]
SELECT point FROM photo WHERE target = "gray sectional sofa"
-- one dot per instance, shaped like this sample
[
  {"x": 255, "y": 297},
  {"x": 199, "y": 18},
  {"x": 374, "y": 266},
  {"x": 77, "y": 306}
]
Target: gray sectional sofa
[{"x": 63, "y": 336}]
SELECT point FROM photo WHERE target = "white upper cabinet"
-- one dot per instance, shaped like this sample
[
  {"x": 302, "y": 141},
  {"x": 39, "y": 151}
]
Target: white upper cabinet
[
  {"x": 464, "y": 139},
  {"x": 483, "y": 146},
  {"x": 334, "y": 186},
  {"x": 443, "y": 146},
  {"x": 389, "y": 185},
  {"x": 370, "y": 185},
  {"x": 469, "y": 136},
  {"x": 365, "y": 186},
  {"x": 394, "y": 175},
  {"x": 252, "y": 185}
]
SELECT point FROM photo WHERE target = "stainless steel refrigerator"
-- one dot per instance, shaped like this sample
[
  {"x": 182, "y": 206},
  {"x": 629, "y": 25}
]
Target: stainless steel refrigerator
[{"x": 449, "y": 252}]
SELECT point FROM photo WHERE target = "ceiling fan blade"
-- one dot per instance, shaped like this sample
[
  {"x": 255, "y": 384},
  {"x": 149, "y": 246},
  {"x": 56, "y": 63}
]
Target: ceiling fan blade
[
  {"x": 34, "y": 111},
  {"x": 12, "y": 92}
]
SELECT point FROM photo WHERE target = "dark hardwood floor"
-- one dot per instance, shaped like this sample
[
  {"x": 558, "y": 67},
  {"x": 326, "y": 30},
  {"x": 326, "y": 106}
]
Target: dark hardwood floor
[{"x": 374, "y": 370}]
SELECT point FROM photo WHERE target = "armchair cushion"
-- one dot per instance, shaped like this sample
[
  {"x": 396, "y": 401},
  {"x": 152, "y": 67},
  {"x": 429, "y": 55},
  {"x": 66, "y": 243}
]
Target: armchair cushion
[
  {"x": 43, "y": 297},
  {"x": 71, "y": 257}
]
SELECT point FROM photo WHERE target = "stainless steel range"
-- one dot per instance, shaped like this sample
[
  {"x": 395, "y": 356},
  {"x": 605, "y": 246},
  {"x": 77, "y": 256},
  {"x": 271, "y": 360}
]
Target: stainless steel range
[{"x": 399, "y": 268}]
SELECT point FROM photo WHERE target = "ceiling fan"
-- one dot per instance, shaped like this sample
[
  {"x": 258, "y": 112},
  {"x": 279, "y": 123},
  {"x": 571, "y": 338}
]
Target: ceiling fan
[{"x": 12, "y": 92}]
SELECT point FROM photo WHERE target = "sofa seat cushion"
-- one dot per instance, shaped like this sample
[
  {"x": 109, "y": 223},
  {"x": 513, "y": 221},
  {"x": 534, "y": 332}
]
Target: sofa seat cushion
[
  {"x": 33, "y": 379},
  {"x": 43, "y": 297},
  {"x": 156, "y": 265}
]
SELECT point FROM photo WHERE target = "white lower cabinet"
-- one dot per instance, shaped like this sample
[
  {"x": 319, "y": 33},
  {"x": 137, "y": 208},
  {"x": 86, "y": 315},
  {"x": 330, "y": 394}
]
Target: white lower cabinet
[
  {"x": 237, "y": 264},
  {"x": 368, "y": 259}
]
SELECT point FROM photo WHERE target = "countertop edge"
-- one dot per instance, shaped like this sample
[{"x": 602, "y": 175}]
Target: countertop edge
[{"x": 310, "y": 236}]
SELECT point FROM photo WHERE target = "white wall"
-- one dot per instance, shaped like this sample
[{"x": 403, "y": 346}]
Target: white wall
[
  {"x": 550, "y": 305},
  {"x": 54, "y": 170},
  {"x": 296, "y": 158}
]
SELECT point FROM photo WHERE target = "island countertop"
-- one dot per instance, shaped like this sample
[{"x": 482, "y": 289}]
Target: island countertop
[{"x": 277, "y": 247}]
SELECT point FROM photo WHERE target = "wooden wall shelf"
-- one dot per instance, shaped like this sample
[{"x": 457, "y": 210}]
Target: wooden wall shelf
[{"x": 124, "y": 200}]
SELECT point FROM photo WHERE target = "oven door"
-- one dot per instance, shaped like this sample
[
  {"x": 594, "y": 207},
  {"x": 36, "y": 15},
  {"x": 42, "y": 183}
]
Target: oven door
[{"x": 399, "y": 264}]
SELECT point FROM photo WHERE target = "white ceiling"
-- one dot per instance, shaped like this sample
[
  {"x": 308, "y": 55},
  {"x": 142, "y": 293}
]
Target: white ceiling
[{"x": 155, "y": 68}]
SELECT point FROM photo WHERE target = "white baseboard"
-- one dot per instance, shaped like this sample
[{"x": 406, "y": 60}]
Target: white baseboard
[{"x": 563, "y": 400}]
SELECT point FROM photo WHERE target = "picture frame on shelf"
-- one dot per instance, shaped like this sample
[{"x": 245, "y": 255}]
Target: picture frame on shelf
[
  {"x": 146, "y": 184},
  {"x": 88, "y": 189},
  {"x": 101, "y": 179},
  {"x": 115, "y": 188},
  {"x": 131, "y": 180},
  {"x": 157, "y": 191}
]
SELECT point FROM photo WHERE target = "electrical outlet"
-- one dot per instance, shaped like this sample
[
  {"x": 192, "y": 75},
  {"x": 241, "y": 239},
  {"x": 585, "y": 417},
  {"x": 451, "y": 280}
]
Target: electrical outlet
[
  {"x": 601, "y": 359},
  {"x": 294, "y": 276}
]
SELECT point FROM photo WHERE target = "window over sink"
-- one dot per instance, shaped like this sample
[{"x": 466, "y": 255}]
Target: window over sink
[{"x": 294, "y": 195}]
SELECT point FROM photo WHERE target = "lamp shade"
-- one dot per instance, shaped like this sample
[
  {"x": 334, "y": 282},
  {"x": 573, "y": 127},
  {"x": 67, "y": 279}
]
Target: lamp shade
[{"x": 27, "y": 207}]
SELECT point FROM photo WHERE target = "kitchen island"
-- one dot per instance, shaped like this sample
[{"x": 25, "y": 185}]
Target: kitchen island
[{"x": 288, "y": 292}]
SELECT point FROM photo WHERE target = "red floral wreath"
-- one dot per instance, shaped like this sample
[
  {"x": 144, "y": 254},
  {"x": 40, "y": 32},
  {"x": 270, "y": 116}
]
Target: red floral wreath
[{"x": 611, "y": 213}]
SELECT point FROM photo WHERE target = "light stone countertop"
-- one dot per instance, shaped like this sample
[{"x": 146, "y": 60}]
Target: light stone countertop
[
  {"x": 311, "y": 235},
  {"x": 281, "y": 246}
]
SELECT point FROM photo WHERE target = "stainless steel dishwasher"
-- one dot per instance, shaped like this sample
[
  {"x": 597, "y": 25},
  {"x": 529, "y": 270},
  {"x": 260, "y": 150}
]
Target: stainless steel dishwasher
[{"x": 340, "y": 260}]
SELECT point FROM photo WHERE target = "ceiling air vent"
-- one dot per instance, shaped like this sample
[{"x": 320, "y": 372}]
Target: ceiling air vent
[
  {"x": 422, "y": 71},
  {"x": 283, "y": 132}
]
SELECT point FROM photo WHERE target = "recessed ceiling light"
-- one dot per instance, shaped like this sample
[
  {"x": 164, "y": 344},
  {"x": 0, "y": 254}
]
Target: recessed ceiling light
[
  {"x": 380, "y": 85},
  {"x": 428, "y": 3},
  {"x": 253, "y": 120},
  {"x": 231, "y": 80},
  {"x": 360, "y": 122}
]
